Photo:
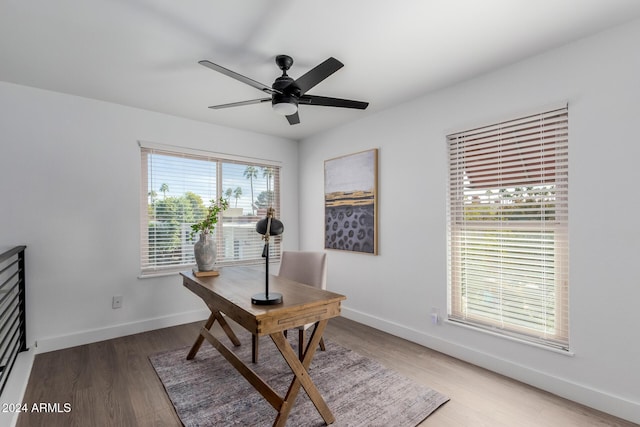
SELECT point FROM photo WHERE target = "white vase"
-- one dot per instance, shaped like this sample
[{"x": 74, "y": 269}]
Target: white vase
[{"x": 205, "y": 252}]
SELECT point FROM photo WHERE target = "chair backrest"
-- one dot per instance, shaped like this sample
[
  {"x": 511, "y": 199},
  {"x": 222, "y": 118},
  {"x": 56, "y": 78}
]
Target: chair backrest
[{"x": 309, "y": 268}]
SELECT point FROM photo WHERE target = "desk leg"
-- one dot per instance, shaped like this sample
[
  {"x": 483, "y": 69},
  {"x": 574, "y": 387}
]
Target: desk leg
[
  {"x": 302, "y": 377},
  {"x": 215, "y": 315},
  {"x": 227, "y": 329}
]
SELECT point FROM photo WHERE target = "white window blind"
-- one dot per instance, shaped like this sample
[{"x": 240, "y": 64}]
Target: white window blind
[
  {"x": 508, "y": 230},
  {"x": 176, "y": 190}
]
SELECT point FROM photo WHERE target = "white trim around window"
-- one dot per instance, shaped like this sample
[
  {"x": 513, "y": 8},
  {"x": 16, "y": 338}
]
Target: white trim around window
[
  {"x": 177, "y": 184},
  {"x": 508, "y": 228}
]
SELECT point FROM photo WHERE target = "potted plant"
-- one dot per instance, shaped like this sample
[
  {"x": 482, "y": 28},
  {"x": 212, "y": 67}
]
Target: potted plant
[{"x": 205, "y": 248}]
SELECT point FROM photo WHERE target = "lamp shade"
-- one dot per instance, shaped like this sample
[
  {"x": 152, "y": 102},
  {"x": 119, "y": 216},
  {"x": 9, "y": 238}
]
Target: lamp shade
[{"x": 276, "y": 229}]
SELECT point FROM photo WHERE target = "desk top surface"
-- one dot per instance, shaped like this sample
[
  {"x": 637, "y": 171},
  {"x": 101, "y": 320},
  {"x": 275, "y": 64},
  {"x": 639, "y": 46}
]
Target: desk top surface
[{"x": 236, "y": 285}]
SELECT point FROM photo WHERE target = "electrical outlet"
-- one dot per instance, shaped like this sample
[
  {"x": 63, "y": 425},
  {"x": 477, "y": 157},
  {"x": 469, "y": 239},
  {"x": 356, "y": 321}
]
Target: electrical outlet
[
  {"x": 116, "y": 302},
  {"x": 435, "y": 316}
]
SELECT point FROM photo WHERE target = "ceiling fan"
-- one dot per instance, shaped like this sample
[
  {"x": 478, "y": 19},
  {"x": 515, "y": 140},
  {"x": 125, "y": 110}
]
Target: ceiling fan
[{"x": 287, "y": 93}]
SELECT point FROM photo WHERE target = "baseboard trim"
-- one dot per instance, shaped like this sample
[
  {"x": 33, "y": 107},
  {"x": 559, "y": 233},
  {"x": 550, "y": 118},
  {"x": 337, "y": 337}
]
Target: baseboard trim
[
  {"x": 602, "y": 401},
  {"x": 59, "y": 342}
]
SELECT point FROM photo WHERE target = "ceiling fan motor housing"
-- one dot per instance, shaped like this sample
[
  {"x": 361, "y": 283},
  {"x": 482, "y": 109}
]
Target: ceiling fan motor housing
[{"x": 289, "y": 91}]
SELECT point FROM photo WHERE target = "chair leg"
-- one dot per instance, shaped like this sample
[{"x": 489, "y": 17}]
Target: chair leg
[
  {"x": 254, "y": 348},
  {"x": 300, "y": 343}
]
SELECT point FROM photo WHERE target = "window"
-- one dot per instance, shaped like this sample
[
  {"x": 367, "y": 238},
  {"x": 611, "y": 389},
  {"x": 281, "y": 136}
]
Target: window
[
  {"x": 507, "y": 228},
  {"x": 177, "y": 188}
]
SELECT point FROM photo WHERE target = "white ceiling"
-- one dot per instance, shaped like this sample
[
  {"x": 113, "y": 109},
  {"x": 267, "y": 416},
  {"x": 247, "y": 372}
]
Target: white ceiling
[{"x": 145, "y": 53}]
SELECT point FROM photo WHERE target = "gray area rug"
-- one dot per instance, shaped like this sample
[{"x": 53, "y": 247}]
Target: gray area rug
[{"x": 208, "y": 391}]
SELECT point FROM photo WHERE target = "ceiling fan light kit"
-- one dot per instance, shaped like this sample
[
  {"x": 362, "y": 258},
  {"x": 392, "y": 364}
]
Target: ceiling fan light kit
[
  {"x": 285, "y": 108},
  {"x": 286, "y": 93}
]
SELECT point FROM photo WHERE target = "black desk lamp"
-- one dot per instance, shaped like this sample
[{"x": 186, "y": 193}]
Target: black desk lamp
[{"x": 268, "y": 227}]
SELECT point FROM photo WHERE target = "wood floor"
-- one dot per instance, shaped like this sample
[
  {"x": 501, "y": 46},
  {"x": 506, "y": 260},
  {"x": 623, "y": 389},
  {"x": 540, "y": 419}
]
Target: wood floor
[{"x": 112, "y": 383}]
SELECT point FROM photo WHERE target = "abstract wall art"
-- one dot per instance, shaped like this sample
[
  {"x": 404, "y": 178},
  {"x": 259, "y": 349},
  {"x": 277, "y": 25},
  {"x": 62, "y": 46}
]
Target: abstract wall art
[{"x": 351, "y": 202}]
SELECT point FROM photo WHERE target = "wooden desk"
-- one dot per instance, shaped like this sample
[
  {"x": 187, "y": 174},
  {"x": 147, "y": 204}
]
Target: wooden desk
[{"x": 230, "y": 293}]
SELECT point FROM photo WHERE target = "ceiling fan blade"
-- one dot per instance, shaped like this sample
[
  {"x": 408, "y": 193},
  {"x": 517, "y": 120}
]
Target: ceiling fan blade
[
  {"x": 293, "y": 119},
  {"x": 318, "y": 74},
  {"x": 239, "y": 77},
  {"x": 238, "y": 104},
  {"x": 332, "y": 102}
]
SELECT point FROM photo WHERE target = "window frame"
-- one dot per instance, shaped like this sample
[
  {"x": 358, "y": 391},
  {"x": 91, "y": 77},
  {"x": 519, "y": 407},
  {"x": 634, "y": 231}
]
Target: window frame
[
  {"x": 546, "y": 173},
  {"x": 151, "y": 269}
]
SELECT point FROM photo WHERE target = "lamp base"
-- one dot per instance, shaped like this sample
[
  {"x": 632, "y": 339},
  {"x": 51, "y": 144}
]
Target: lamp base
[{"x": 264, "y": 299}]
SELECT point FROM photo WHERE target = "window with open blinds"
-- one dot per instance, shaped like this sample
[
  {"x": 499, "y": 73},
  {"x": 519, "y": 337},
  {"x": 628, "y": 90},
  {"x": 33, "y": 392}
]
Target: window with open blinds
[
  {"x": 507, "y": 228},
  {"x": 177, "y": 188}
]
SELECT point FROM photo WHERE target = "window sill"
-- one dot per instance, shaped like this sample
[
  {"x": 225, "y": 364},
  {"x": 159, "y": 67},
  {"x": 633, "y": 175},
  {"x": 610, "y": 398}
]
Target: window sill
[
  {"x": 556, "y": 350},
  {"x": 160, "y": 274},
  {"x": 178, "y": 270}
]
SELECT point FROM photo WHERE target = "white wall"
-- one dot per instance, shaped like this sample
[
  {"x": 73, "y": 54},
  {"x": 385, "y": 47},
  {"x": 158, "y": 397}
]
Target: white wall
[
  {"x": 70, "y": 182},
  {"x": 396, "y": 290}
]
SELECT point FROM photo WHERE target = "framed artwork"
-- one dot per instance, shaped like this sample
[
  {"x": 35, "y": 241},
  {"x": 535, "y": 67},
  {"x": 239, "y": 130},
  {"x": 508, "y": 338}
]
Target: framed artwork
[{"x": 351, "y": 202}]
